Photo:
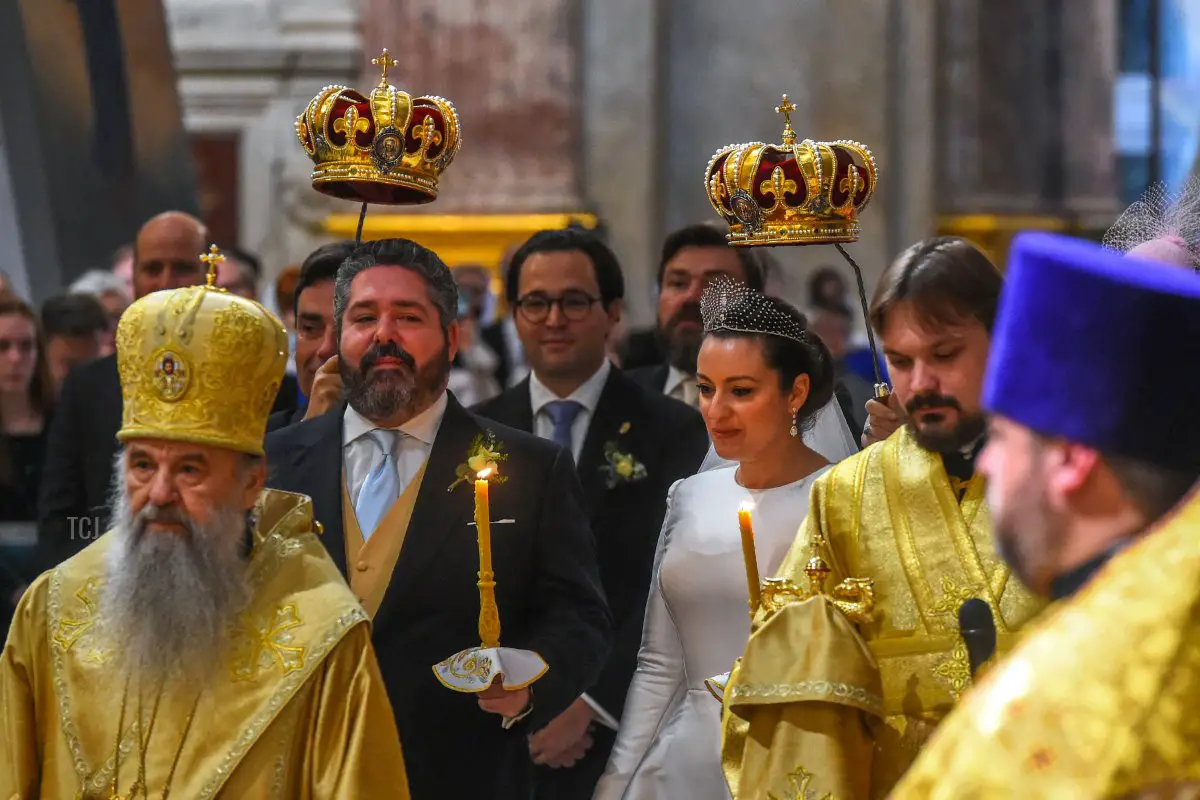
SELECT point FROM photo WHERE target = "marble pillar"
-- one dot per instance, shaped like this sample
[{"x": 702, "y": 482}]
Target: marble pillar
[
  {"x": 1025, "y": 108},
  {"x": 249, "y": 67},
  {"x": 624, "y": 149}
]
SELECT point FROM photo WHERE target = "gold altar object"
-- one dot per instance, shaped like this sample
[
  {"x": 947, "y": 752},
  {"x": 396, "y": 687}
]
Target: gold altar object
[
  {"x": 993, "y": 233},
  {"x": 460, "y": 239},
  {"x": 794, "y": 193}
]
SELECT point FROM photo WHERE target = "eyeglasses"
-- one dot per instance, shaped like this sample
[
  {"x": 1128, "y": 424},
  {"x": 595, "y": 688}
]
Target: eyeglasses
[{"x": 536, "y": 307}]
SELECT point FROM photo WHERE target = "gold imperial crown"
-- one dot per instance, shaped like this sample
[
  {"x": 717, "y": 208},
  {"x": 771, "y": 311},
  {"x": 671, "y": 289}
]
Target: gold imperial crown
[
  {"x": 387, "y": 149},
  {"x": 795, "y": 193},
  {"x": 200, "y": 365}
]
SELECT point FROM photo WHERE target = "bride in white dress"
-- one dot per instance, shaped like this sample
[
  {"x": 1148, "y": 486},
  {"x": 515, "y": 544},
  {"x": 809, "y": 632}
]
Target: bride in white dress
[{"x": 763, "y": 378}]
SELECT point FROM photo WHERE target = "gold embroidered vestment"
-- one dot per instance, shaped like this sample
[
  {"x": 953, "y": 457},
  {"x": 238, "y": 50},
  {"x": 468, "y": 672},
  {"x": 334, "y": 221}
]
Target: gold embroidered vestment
[
  {"x": 842, "y": 707},
  {"x": 300, "y": 711}
]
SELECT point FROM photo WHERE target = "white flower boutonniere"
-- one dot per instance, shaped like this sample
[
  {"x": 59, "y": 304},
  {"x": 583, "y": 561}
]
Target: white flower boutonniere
[
  {"x": 621, "y": 466},
  {"x": 485, "y": 453}
]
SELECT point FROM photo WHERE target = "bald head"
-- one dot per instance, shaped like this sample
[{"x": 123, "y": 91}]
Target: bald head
[
  {"x": 167, "y": 253},
  {"x": 1167, "y": 250}
]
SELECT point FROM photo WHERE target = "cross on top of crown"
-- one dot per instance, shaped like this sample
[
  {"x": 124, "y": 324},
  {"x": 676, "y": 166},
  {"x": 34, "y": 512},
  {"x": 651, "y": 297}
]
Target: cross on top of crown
[
  {"x": 384, "y": 61},
  {"x": 786, "y": 108},
  {"x": 211, "y": 259}
]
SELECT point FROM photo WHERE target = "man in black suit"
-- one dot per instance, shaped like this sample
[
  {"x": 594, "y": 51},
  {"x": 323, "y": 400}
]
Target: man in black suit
[
  {"x": 565, "y": 288},
  {"x": 691, "y": 258},
  {"x": 316, "y": 336},
  {"x": 82, "y": 441},
  {"x": 378, "y": 471}
]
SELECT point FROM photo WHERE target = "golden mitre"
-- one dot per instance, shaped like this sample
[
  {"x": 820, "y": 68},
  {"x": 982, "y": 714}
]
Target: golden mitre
[
  {"x": 389, "y": 148},
  {"x": 200, "y": 365},
  {"x": 796, "y": 193}
]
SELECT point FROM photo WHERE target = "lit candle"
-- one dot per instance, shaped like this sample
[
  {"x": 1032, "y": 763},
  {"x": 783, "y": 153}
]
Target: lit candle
[
  {"x": 752, "y": 579},
  {"x": 489, "y": 613}
]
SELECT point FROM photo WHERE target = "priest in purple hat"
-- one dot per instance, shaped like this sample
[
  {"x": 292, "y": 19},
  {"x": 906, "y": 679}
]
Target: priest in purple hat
[{"x": 1092, "y": 462}]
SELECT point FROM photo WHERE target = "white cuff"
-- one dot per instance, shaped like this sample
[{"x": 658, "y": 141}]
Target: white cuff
[{"x": 603, "y": 717}]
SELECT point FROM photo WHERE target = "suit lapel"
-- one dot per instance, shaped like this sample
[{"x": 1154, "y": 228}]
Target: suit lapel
[
  {"x": 660, "y": 378},
  {"x": 317, "y": 465},
  {"x": 604, "y": 427},
  {"x": 436, "y": 512}
]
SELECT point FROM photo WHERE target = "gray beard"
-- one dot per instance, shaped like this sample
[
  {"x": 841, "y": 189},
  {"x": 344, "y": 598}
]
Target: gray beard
[{"x": 169, "y": 599}]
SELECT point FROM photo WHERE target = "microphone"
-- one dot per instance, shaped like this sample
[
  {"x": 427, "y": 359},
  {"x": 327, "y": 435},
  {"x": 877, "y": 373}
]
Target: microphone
[{"x": 978, "y": 631}]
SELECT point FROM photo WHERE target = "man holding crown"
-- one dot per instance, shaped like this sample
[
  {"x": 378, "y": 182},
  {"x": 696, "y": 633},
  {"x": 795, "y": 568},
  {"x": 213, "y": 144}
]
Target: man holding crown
[
  {"x": 856, "y": 654},
  {"x": 206, "y": 644},
  {"x": 1096, "y": 505}
]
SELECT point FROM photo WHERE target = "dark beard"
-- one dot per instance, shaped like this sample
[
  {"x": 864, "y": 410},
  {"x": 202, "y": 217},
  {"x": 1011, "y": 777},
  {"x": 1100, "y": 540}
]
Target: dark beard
[
  {"x": 169, "y": 599},
  {"x": 682, "y": 351},
  {"x": 965, "y": 433},
  {"x": 939, "y": 440},
  {"x": 385, "y": 395}
]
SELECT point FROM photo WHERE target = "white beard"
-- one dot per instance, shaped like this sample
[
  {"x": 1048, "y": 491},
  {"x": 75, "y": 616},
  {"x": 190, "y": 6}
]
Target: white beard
[{"x": 169, "y": 599}]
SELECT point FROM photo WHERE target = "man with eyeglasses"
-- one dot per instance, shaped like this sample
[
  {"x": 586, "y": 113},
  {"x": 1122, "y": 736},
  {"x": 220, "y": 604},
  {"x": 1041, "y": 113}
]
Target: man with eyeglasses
[{"x": 629, "y": 443}]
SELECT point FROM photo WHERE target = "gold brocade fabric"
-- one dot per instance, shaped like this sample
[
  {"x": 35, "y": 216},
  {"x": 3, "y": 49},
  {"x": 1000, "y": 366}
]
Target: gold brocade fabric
[
  {"x": 889, "y": 514},
  {"x": 1099, "y": 700},
  {"x": 198, "y": 364},
  {"x": 299, "y": 712}
]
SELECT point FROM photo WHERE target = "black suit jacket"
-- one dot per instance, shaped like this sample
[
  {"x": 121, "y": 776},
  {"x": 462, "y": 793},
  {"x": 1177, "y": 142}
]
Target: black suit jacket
[
  {"x": 493, "y": 337},
  {"x": 77, "y": 471},
  {"x": 284, "y": 417},
  {"x": 670, "y": 439},
  {"x": 548, "y": 591},
  {"x": 653, "y": 378}
]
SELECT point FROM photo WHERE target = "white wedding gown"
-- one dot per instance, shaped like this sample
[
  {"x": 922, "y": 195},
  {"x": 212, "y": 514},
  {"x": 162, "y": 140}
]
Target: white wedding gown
[{"x": 697, "y": 624}]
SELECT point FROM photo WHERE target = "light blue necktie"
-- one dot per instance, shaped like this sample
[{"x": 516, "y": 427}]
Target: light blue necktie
[
  {"x": 382, "y": 487},
  {"x": 563, "y": 413}
]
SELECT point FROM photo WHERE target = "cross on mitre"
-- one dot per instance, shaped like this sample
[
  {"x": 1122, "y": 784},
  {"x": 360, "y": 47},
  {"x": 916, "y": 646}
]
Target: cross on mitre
[{"x": 211, "y": 259}]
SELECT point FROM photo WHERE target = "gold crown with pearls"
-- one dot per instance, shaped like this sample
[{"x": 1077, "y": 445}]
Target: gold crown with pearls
[
  {"x": 389, "y": 148},
  {"x": 799, "y": 192}
]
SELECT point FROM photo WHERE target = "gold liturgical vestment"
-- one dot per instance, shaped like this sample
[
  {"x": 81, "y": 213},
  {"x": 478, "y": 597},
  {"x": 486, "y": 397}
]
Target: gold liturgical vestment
[
  {"x": 1099, "y": 700},
  {"x": 820, "y": 704},
  {"x": 300, "y": 710}
]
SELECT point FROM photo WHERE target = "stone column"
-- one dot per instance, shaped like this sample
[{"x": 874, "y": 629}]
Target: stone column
[
  {"x": 1025, "y": 110},
  {"x": 248, "y": 68},
  {"x": 623, "y": 143},
  {"x": 510, "y": 67}
]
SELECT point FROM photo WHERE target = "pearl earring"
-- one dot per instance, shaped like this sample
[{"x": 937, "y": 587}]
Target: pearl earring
[{"x": 795, "y": 431}]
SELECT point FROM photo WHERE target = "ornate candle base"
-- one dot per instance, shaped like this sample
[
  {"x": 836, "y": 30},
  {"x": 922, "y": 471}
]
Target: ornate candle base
[
  {"x": 473, "y": 670},
  {"x": 489, "y": 612}
]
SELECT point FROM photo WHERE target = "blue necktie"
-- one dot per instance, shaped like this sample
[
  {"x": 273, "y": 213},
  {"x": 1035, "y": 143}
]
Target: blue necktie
[
  {"x": 382, "y": 487},
  {"x": 563, "y": 413}
]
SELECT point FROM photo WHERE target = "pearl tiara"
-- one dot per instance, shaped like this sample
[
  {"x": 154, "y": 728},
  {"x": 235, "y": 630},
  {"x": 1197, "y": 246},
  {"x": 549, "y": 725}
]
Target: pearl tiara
[{"x": 728, "y": 305}]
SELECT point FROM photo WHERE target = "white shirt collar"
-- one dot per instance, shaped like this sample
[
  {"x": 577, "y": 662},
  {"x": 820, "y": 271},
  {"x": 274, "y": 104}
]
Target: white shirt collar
[
  {"x": 423, "y": 427},
  {"x": 587, "y": 395},
  {"x": 675, "y": 378}
]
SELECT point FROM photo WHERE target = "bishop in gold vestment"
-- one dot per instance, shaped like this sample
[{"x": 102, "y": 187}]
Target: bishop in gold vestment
[
  {"x": 299, "y": 712},
  {"x": 206, "y": 645}
]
